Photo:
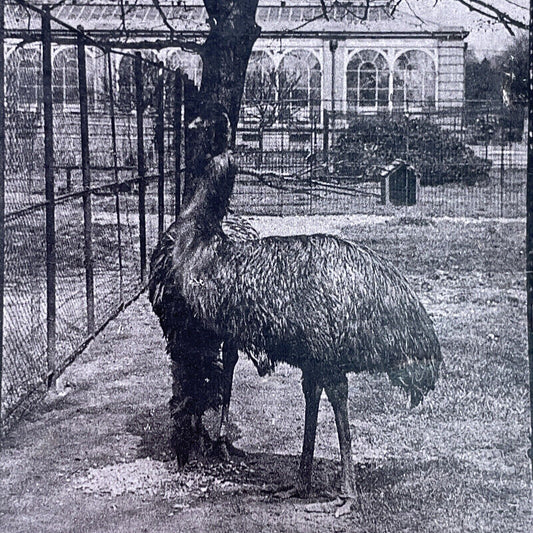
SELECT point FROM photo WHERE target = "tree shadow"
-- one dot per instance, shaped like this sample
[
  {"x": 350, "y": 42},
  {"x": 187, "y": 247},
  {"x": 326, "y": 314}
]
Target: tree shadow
[{"x": 154, "y": 428}]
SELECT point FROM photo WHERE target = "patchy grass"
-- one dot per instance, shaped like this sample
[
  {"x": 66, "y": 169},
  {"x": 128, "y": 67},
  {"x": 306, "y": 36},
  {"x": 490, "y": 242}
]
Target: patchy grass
[
  {"x": 96, "y": 456},
  {"x": 462, "y": 456}
]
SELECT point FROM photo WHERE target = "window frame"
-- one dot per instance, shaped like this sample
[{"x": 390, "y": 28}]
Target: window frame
[
  {"x": 381, "y": 89},
  {"x": 428, "y": 99}
]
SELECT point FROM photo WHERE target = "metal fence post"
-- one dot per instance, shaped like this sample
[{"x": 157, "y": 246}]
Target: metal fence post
[
  {"x": 502, "y": 161},
  {"x": 2, "y": 193},
  {"x": 529, "y": 230},
  {"x": 160, "y": 147},
  {"x": 325, "y": 139},
  {"x": 190, "y": 109},
  {"x": 115, "y": 173},
  {"x": 48, "y": 115},
  {"x": 178, "y": 139},
  {"x": 86, "y": 179},
  {"x": 141, "y": 164}
]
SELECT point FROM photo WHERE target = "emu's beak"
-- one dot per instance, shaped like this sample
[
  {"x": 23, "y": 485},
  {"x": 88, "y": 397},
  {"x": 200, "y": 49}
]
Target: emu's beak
[{"x": 196, "y": 123}]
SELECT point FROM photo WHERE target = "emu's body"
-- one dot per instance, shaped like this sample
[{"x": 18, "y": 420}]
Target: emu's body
[{"x": 316, "y": 302}]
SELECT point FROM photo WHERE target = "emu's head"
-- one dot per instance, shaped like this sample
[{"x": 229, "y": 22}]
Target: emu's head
[
  {"x": 212, "y": 129},
  {"x": 213, "y": 171}
]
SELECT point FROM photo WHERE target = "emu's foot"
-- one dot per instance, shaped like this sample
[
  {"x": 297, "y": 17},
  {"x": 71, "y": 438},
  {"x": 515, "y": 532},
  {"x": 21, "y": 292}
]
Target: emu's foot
[
  {"x": 347, "y": 505},
  {"x": 224, "y": 450},
  {"x": 220, "y": 450},
  {"x": 192, "y": 447},
  {"x": 234, "y": 451},
  {"x": 200, "y": 451}
]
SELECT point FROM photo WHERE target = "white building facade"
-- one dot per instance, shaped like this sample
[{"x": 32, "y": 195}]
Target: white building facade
[{"x": 342, "y": 64}]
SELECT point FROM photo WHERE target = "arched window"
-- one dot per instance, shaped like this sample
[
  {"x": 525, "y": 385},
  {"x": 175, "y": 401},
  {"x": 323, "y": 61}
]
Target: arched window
[
  {"x": 414, "y": 80},
  {"x": 190, "y": 64},
  {"x": 300, "y": 84},
  {"x": 65, "y": 78},
  {"x": 126, "y": 84},
  {"x": 367, "y": 81},
  {"x": 126, "y": 80},
  {"x": 23, "y": 78},
  {"x": 261, "y": 79},
  {"x": 96, "y": 66},
  {"x": 260, "y": 98}
]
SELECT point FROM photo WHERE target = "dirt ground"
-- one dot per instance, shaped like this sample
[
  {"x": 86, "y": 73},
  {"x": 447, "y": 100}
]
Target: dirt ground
[{"x": 94, "y": 457}]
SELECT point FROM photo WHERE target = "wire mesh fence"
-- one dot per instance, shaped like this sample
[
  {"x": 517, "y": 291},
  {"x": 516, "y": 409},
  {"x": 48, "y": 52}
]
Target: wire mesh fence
[
  {"x": 91, "y": 177},
  {"x": 94, "y": 169},
  {"x": 469, "y": 160}
]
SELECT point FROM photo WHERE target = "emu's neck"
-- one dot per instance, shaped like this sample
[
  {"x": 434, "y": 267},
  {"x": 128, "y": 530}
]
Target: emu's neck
[{"x": 209, "y": 203}]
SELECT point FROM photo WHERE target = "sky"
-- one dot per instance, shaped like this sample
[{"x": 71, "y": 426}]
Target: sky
[{"x": 486, "y": 38}]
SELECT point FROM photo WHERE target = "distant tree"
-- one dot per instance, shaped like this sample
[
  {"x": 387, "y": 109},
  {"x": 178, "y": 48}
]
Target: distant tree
[
  {"x": 267, "y": 100},
  {"x": 514, "y": 65},
  {"x": 482, "y": 80},
  {"x": 267, "y": 96},
  {"x": 502, "y": 77}
]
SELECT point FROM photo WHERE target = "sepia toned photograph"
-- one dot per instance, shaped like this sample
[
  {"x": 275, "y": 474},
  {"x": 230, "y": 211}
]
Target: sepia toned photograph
[{"x": 266, "y": 266}]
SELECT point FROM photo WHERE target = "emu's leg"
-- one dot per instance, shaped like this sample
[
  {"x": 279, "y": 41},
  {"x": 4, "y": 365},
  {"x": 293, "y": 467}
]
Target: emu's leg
[
  {"x": 312, "y": 391},
  {"x": 262, "y": 364},
  {"x": 229, "y": 360},
  {"x": 337, "y": 392},
  {"x": 181, "y": 410}
]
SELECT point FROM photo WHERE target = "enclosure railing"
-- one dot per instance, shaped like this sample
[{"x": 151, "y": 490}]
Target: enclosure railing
[
  {"x": 469, "y": 158},
  {"x": 93, "y": 170},
  {"x": 91, "y": 180}
]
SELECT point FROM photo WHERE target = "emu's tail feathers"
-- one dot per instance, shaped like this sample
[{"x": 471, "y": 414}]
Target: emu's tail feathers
[{"x": 416, "y": 378}]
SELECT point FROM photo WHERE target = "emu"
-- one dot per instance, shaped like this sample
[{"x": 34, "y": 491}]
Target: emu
[
  {"x": 317, "y": 302},
  {"x": 202, "y": 366}
]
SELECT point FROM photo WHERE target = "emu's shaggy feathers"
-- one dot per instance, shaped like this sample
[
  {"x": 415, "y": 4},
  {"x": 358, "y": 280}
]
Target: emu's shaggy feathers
[{"x": 308, "y": 300}]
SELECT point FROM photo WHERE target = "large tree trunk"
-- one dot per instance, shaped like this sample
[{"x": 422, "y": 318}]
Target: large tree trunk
[
  {"x": 226, "y": 52},
  {"x": 225, "y": 56}
]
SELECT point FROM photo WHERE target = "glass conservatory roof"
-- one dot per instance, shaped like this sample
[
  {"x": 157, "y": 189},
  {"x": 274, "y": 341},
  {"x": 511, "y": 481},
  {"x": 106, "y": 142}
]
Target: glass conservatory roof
[{"x": 291, "y": 17}]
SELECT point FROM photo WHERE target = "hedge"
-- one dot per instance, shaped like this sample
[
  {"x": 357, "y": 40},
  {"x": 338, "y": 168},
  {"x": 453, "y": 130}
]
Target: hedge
[{"x": 371, "y": 142}]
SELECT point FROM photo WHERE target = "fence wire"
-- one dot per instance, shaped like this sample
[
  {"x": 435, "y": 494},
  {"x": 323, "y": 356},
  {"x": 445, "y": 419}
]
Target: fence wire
[
  {"x": 109, "y": 202},
  {"x": 76, "y": 253},
  {"x": 470, "y": 159}
]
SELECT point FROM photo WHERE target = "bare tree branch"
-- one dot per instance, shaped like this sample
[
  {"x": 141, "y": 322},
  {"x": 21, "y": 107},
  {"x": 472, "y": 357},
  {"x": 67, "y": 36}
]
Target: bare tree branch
[
  {"x": 324, "y": 9},
  {"x": 268, "y": 95},
  {"x": 163, "y": 16},
  {"x": 189, "y": 46},
  {"x": 393, "y": 6},
  {"x": 493, "y": 13},
  {"x": 123, "y": 18},
  {"x": 57, "y": 4},
  {"x": 354, "y": 8},
  {"x": 358, "y": 9},
  {"x": 412, "y": 10},
  {"x": 516, "y": 4}
]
